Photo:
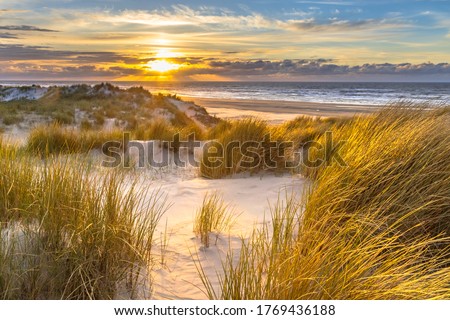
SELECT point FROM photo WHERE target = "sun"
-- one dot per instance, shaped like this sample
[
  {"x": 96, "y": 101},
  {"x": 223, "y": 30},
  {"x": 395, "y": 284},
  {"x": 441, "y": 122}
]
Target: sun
[{"x": 162, "y": 65}]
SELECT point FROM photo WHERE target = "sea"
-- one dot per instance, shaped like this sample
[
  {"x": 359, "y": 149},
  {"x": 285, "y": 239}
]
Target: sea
[{"x": 364, "y": 93}]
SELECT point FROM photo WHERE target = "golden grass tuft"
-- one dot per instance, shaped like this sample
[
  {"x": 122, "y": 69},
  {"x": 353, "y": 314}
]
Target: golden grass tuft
[
  {"x": 249, "y": 129},
  {"x": 213, "y": 215},
  {"x": 304, "y": 129},
  {"x": 289, "y": 136},
  {"x": 56, "y": 139},
  {"x": 375, "y": 229},
  {"x": 70, "y": 232}
]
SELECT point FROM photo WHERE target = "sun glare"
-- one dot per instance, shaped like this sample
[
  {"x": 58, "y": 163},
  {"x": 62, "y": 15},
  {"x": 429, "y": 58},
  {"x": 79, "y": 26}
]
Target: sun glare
[{"x": 162, "y": 66}]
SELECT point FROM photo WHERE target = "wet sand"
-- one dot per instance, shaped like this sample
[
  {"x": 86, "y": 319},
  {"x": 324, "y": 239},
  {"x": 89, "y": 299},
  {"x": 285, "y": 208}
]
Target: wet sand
[{"x": 281, "y": 110}]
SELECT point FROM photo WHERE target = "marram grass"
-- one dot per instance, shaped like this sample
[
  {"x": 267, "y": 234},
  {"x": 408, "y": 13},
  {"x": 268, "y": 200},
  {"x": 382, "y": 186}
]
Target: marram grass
[
  {"x": 71, "y": 232},
  {"x": 213, "y": 215},
  {"x": 287, "y": 138},
  {"x": 375, "y": 229},
  {"x": 54, "y": 138}
]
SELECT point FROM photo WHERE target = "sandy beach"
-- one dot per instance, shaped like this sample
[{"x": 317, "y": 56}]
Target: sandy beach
[{"x": 278, "y": 111}]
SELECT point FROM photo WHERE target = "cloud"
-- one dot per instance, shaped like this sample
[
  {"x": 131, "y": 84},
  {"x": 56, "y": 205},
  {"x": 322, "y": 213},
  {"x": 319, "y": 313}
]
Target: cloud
[
  {"x": 181, "y": 16},
  {"x": 13, "y": 52},
  {"x": 185, "y": 19},
  {"x": 7, "y": 35},
  {"x": 213, "y": 31},
  {"x": 33, "y": 71},
  {"x": 11, "y": 11},
  {"x": 25, "y": 28},
  {"x": 334, "y": 3},
  {"x": 336, "y": 25},
  {"x": 224, "y": 26},
  {"x": 242, "y": 69},
  {"x": 222, "y": 42},
  {"x": 316, "y": 67}
]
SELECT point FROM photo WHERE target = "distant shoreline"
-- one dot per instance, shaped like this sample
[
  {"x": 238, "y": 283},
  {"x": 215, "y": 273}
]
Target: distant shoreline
[{"x": 278, "y": 110}]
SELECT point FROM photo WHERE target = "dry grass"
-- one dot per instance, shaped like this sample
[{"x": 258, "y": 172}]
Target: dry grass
[
  {"x": 213, "y": 215},
  {"x": 161, "y": 129},
  {"x": 289, "y": 137},
  {"x": 68, "y": 232},
  {"x": 305, "y": 129},
  {"x": 55, "y": 139},
  {"x": 250, "y": 129},
  {"x": 376, "y": 229}
]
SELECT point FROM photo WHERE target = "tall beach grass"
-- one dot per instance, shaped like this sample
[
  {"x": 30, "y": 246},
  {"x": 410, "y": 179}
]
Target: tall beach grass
[
  {"x": 213, "y": 216},
  {"x": 71, "y": 232},
  {"x": 286, "y": 139},
  {"x": 56, "y": 139},
  {"x": 377, "y": 228}
]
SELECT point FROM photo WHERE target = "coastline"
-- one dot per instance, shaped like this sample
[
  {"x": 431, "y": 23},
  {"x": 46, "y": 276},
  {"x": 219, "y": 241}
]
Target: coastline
[{"x": 275, "y": 110}]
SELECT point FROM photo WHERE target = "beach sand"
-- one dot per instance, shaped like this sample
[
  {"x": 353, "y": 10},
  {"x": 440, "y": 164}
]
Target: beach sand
[
  {"x": 278, "y": 111},
  {"x": 250, "y": 197}
]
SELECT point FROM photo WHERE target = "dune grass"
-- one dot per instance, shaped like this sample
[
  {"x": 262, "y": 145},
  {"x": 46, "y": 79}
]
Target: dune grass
[
  {"x": 56, "y": 139},
  {"x": 163, "y": 130},
  {"x": 288, "y": 137},
  {"x": 71, "y": 232},
  {"x": 250, "y": 129},
  {"x": 375, "y": 229},
  {"x": 304, "y": 129},
  {"x": 92, "y": 106},
  {"x": 397, "y": 164},
  {"x": 213, "y": 215}
]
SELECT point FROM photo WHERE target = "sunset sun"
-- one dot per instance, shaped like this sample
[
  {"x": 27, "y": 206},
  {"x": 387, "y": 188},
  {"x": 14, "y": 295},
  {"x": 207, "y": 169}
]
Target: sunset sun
[{"x": 162, "y": 66}]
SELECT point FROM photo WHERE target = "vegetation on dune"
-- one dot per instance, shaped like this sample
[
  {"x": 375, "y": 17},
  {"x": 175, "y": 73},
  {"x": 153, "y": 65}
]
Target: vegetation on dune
[
  {"x": 55, "y": 139},
  {"x": 213, "y": 215},
  {"x": 304, "y": 129},
  {"x": 229, "y": 158},
  {"x": 161, "y": 129},
  {"x": 79, "y": 118},
  {"x": 397, "y": 163},
  {"x": 375, "y": 229},
  {"x": 72, "y": 105},
  {"x": 69, "y": 233},
  {"x": 239, "y": 155},
  {"x": 10, "y": 119}
]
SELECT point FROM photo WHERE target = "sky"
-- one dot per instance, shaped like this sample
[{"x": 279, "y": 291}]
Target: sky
[{"x": 227, "y": 40}]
